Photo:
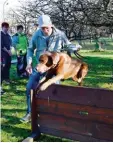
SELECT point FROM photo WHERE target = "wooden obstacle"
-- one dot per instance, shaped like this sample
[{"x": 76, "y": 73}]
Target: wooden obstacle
[{"x": 76, "y": 113}]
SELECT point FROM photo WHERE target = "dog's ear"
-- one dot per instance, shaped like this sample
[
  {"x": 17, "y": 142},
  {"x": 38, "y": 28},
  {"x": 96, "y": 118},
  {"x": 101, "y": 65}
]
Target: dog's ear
[
  {"x": 55, "y": 57},
  {"x": 49, "y": 62}
]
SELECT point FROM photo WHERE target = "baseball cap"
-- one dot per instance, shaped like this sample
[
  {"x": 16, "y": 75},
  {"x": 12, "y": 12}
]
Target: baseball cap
[{"x": 44, "y": 21}]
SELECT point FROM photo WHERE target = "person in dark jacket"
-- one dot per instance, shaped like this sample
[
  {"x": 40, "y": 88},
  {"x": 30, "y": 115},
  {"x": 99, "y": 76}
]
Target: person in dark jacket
[
  {"x": 2, "y": 64},
  {"x": 6, "y": 54}
]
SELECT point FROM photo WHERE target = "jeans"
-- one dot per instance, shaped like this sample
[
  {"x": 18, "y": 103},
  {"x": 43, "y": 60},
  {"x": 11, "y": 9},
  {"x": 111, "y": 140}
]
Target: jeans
[{"x": 32, "y": 84}]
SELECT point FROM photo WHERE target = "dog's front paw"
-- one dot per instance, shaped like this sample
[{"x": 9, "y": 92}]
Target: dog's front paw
[{"x": 43, "y": 87}]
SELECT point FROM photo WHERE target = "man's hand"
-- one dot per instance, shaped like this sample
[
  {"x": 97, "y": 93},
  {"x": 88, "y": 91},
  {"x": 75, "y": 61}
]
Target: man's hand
[
  {"x": 9, "y": 52},
  {"x": 29, "y": 69}
]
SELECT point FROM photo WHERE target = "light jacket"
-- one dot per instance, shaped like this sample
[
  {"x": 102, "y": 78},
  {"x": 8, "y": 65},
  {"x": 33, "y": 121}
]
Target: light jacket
[{"x": 41, "y": 43}]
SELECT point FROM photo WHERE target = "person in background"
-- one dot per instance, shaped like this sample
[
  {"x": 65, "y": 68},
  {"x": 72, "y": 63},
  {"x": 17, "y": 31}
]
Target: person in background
[
  {"x": 46, "y": 38},
  {"x": 20, "y": 43},
  {"x": 36, "y": 27},
  {"x": 6, "y": 54},
  {"x": 2, "y": 64},
  {"x": 32, "y": 31}
]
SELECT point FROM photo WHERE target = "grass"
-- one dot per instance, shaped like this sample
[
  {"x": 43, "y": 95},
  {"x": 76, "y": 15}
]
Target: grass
[{"x": 13, "y": 102}]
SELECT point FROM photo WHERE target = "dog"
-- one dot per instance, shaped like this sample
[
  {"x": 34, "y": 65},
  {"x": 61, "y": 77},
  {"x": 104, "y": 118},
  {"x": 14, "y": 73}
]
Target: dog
[{"x": 60, "y": 66}]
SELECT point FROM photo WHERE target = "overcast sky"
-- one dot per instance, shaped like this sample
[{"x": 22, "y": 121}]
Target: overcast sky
[{"x": 9, "y": 4}]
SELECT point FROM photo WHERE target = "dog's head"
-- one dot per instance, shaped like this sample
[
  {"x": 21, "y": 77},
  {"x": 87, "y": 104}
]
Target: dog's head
[{"x": 47, "y": 61}]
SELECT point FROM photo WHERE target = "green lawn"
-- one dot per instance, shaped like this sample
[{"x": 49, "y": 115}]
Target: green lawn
[{"x": 14, "y": 100}]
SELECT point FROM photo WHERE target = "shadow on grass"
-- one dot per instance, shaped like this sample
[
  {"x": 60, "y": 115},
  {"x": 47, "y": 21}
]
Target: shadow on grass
[
  {"x": 22, "y": 133},
  {"x": 16, "y": 88},
  {"x": 99, "y": 64},
  {"x": 11, "y": 124},
  {"x": 99, "y": 74},
  {"x": 15, "y": 91},
  {"x": 11, "y": 119},
  {"x": 12, "y": 110},
  {"x": 16, "y": 132},
  {"x": 48, "y": 138}
]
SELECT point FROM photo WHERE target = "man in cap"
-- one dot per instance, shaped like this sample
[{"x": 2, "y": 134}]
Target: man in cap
[{"x": 46, "y": 38}]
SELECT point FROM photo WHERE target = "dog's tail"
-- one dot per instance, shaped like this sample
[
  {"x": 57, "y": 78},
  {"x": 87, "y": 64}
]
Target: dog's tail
[{"x": 83, "y": 71}]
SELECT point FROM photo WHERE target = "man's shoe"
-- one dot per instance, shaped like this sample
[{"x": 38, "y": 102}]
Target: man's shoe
[{"x": 26, "y": 118}]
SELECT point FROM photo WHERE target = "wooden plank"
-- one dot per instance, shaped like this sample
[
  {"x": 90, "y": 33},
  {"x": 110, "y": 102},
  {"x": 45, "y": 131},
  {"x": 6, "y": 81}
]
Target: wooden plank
[
  {"x": 102, "y": 131},
  {"x": 67, "y": 106},
  {"x": 75, "y": 111},
  {"x": 77, "y": 126},
  {"x": 34, "y": 126},
  {"x": 79, "y": 95},
  {"x": 58, "y": 109},
  {"x": 72, "y": 136},
  {"x": 64, "y": 124}
]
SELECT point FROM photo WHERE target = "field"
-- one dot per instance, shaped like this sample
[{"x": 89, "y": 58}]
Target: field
[{"x": 13, "y": 102}]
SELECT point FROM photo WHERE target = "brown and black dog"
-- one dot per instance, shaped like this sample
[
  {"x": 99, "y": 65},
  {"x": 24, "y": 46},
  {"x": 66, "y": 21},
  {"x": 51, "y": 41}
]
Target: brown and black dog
[{"x": 60, "y": 66}]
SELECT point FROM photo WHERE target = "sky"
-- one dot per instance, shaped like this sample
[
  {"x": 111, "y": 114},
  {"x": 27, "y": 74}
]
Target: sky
[{"x": 9, "y": 4}]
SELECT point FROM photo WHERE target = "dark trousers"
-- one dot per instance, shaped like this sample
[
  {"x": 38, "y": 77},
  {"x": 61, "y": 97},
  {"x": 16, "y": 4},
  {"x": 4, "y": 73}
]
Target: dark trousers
[
  {"x": 21, "y": 64},
  {"x": 5, "y": 72}
]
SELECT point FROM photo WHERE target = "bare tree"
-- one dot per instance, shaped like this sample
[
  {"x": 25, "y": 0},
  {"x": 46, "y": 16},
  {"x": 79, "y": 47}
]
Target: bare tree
[{"x": 77, "y": 18}]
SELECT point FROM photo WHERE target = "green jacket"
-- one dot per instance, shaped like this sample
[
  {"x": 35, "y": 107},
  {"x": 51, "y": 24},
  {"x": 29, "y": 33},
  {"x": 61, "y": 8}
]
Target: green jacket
[{"x": 20, "y": 42}]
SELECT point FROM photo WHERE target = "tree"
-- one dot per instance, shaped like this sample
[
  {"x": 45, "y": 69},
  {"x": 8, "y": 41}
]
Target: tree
[{"x": 77, "y": 18}]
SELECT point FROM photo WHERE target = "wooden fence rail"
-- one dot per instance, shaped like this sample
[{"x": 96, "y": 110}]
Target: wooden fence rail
[{"x": 77, "y": 113}]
